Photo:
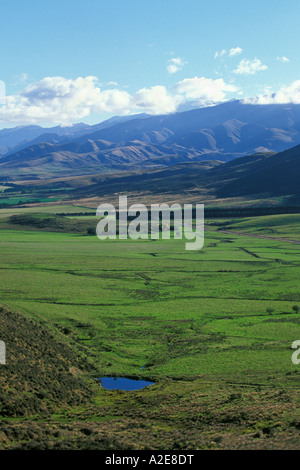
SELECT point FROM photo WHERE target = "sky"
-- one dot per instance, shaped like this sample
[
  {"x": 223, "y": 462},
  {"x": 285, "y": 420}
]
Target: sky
[{"x": 69, "y": 61}]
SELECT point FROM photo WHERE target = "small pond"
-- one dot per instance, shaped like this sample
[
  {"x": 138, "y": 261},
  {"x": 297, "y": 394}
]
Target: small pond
[{"x": 121, "y": 383}]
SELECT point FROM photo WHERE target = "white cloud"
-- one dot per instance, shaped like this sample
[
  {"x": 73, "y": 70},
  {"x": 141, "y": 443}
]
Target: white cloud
[
  {"x": 235, "y": 51},
  {"x": 286, "y": 94},
  {"x": 61, "y": 100},
  {"x": 232, "y": 52},
  {"x": 112, "y": 83},
  {"x": 220, "y": 53},
  {"x": 175, "y": 64},
  {"x": 156, "y": 100},
  {"x": 248, "y": 67},
  {"x": 204, "y": 91},
  {"x": 283, "y": 59}
]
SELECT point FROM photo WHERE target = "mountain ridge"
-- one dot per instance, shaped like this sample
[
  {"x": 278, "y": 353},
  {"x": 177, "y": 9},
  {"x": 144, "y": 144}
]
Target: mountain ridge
[{"x": 222, "y": 132}]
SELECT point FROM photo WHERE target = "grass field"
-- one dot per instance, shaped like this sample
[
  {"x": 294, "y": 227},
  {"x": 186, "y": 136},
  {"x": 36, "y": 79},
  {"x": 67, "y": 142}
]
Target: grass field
[
  {"x": 213, "y": 328},
  {"x": 284, "y": 226}
]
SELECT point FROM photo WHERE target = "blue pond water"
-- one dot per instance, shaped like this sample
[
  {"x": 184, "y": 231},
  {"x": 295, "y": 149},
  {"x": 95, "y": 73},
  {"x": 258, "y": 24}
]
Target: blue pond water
[{"x": 121, "y": 383}]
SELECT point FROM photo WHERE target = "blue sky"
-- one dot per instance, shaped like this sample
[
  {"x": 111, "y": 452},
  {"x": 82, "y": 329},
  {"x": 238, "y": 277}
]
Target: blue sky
[{"x": 85, "y": 60}]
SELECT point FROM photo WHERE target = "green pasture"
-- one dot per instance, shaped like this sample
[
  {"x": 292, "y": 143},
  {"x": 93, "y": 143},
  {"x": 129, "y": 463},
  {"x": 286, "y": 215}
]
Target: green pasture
[
  {"x": 285, "y": 225},
  {"x": 46, "y": 209},
  {"x": 151, "y": 308}
]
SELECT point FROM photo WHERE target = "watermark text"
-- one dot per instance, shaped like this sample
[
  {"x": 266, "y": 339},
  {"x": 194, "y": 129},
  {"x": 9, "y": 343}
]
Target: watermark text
[
  {"x": 138, "y": 222},
  {"x": 296, "y": 354}
]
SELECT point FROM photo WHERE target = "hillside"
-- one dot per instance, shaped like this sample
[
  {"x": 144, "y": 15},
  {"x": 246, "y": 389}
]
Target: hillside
[
  {"x": 276, "y": 175},
  {"x": 175, "y": 178},
  {"x": 47, "y": 160},
  {"x": 41, "y": 372},
  {"x": 263, "y": 175}
]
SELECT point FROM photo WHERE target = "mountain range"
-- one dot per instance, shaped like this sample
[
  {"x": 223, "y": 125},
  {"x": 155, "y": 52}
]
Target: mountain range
[{"x": 223, "y": 133}]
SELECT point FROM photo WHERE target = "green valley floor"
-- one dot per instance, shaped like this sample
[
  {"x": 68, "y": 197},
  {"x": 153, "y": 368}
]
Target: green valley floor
[{"x": 213, "y": 330}]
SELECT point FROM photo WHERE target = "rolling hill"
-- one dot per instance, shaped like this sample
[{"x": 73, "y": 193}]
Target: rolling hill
[
  {"x": 263, "y": 175},
  {"x": 276, "y": 174}
]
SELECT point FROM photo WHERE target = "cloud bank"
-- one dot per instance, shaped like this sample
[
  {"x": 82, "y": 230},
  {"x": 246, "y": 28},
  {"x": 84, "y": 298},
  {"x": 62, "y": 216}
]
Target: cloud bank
[
  {"x": 61, "y": 100},
  {"x": 286, "y": 94},
  {"x": 57, "y": 99},
  {"x": 204, "y": 91}
]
